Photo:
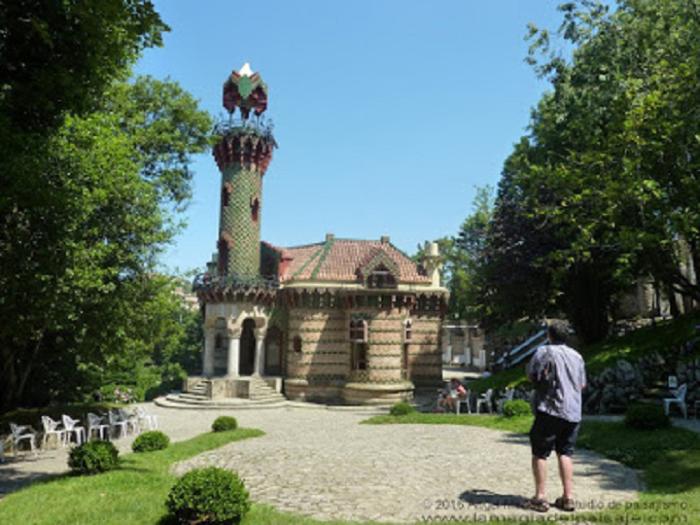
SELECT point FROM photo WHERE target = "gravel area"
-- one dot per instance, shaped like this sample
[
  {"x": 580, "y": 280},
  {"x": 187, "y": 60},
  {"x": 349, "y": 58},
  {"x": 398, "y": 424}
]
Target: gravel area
[{"x": 322, "y": 463}]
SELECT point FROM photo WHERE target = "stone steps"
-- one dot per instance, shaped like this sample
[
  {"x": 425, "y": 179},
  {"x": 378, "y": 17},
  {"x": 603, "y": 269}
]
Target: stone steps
[{"x": 194, "y": 402}]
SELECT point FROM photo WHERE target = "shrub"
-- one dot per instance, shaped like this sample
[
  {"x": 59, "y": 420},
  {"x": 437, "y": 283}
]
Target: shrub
[
  {"x": 224, "y": 423},
  {"x": 516, "y": 407},
  {"x": 149, "y": 441},
  {"x": 208, "y": 495},
  {"x": 646, "y": 417},
  {"x": 93, "y": 457},
  {"x": 401, "y": 409}
]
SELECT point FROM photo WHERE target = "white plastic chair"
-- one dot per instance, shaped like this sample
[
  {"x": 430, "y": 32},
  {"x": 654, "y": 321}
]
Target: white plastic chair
[
  {"x": 485, "y": 399},
  {"x": 71, "y": 426},
  {"x": 151, "y": 420},
  {"x": 507, "y": 396},
  {"x": 95, "y": 424},
  {"x": 22, "y": 432},
  {"x": 52, "y": 428},
  {"x": 677, "y": 399},
  {"x": 117, "y": 423},
  {"x": 132, "y": 420},
  {"x": 466, "y": 400}
]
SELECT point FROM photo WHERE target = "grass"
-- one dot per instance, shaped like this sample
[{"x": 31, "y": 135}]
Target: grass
[
  {"x": 135, "y": 493},
  {"x": 665, "y": 337},
  {"x": 669, "y": 461}
]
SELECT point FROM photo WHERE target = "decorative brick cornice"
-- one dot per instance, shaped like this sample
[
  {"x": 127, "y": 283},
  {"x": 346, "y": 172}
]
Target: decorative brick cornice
[{"x": 249, "y": 150}]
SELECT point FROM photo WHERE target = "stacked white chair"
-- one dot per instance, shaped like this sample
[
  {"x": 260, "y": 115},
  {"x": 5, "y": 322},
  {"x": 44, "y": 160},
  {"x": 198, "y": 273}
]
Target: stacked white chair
[
  {"x": 71, "y": 426},
  {"x": 677, "y": 399},
  {"x": 150, "y": 420},
  {"x": 95, "y": 424},
  {"x": 52, "y": 428},
  {"x": 485, "y": 400},
  {"x": 117, "y": 423},
  {"x": 20, "y": 433}
]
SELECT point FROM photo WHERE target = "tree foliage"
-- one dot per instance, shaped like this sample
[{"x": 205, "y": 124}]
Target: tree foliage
[
  {"x": 90, "y": 187},
  {"x": 603, "y": 189}
]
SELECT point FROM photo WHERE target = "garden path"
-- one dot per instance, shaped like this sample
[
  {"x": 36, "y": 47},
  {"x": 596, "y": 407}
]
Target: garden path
[{"x": 324, "y": 464}]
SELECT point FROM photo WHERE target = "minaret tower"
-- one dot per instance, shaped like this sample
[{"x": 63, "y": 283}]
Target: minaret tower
[{"x": 243, "y": 153}]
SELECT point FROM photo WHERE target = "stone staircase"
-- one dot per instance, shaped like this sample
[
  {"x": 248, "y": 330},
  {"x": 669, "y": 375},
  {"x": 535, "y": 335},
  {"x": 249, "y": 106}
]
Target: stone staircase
[
  {"x": 261, "y": 392},
  {"x": 261, "y": 395}
]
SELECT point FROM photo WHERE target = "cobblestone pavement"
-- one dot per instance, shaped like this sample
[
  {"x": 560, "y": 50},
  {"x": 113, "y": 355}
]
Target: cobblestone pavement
[{"x": 323, "y": 463}]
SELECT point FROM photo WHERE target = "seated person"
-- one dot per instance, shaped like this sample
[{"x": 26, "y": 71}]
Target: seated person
[{"x": 451, "y": 395}]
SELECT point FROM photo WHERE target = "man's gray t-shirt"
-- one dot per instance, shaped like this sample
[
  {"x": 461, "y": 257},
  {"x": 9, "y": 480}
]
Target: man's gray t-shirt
[{"x": 564, "y": 400}]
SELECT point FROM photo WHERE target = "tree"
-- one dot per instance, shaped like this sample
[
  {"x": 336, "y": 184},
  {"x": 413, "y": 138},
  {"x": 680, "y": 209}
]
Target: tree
[
  {"x": 464, "y": 260},
  {"x": 58, "y": 57},
  {"x": 88, "y": 213},
  {"x": 604, "y": 187}
]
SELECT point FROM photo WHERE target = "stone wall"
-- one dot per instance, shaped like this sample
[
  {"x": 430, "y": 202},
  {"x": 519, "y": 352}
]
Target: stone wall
[{"x": 323, "y": 367}]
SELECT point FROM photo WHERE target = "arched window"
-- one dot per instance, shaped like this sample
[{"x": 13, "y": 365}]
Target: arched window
[
  {"x": 224, "y": 196},
  {"x": 254, "y": 208},
  {"x": 358, "y": 331},
  {"x": 359, "y": 356},
  {"x": 407, "y": 330},
  {"x": 296, "y": 343}
]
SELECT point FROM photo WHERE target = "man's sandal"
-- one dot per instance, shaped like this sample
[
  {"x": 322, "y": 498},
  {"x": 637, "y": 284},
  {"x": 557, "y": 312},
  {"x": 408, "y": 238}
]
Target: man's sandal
[
  {"x": 565, "y": 504},
  {"x": 538, "y": 505}
]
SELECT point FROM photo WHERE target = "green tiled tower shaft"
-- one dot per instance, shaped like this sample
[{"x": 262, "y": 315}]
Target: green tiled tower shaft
[
  {"x": 243, "y": 153},
  {"x": 239, "y": 222}
]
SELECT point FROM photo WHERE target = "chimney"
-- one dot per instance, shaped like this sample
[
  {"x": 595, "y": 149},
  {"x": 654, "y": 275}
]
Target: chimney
[
  {"x": 384, "y": 239},
  {"x": 329, "y": 237}
]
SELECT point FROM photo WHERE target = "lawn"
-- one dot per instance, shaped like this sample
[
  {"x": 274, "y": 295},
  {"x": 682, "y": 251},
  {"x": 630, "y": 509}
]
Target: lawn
[
  {"x": 665, "y": 337},
  {"x": 133, "y": 494},
  {"x": 669, "y": 461}
]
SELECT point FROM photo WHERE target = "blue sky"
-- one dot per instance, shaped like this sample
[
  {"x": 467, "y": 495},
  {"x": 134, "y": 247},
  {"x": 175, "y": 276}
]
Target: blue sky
[{"x": 388, "y": 113}]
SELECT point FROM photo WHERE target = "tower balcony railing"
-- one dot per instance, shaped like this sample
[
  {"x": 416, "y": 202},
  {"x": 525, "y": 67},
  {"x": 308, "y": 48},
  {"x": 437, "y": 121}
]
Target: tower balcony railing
[
  {"x": 257, "y": 125},
  {"x": 206, "y": 281}
]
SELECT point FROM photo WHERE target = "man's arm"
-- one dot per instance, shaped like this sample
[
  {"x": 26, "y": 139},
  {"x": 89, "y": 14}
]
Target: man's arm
[{"x": 533, "y": 367}]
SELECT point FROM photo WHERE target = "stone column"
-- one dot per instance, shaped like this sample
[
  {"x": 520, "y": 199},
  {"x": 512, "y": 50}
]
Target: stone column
[
  {"x": 234, "y": 350},
  {"x": 259, "y": 352},
  {"x": 208, "y": 356}
]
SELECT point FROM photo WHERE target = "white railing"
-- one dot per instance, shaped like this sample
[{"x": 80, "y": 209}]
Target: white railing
[{"x": 517, "y": 354}]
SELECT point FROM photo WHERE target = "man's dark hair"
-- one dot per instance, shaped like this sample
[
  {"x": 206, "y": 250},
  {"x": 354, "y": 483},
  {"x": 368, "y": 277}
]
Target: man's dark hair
[{"x": 557, "y": 332}]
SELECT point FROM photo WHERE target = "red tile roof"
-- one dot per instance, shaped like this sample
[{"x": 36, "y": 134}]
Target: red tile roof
[{"x": 339, "y": 260}]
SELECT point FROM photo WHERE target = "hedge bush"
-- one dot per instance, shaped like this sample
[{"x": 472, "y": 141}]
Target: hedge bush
[
  {"x": 224, "y": 423},
  {"x": 208, "y": 495},
  {"x": 401, "y": 409},
  {"x": 93, "y": 457},
  {"x": 149, "y": 441},
  {"x": 644, "y": 416},
  {"x": 516, "y": 407}
]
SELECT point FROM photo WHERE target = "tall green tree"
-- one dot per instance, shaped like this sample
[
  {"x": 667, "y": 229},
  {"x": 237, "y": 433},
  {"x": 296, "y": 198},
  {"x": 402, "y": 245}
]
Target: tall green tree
[
  {"x": 465, "y": 259},
  {"x": 90, "y": 211},
  {"x": 603, "y": 190}
]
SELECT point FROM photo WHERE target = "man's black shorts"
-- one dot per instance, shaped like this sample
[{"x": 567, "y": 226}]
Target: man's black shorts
[{"x": 550, "y": 432}]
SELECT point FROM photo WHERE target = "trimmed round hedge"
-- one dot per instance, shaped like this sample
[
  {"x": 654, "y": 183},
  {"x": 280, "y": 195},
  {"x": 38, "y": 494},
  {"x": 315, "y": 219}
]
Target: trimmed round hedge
[
  {"x": 209, "y": 495},
  {"x": 93, "y": 457},
  {"x": 224, "y": 423},
  {"x": 644, "y": 416},
  {"x": 516, "y": 408},
  {"x": 149, "y": 441},
  {"x": 401, "y": 409}
]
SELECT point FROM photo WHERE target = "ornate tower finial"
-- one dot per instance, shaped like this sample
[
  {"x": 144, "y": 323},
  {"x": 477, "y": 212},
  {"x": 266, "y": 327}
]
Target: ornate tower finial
[
  {"x": 242, "y": 153},
  {"x": 245, "y": 90}
]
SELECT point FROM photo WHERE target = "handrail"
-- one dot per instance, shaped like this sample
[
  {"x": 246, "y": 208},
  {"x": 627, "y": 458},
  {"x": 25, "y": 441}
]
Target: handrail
[{"x": 523, "y": 350}]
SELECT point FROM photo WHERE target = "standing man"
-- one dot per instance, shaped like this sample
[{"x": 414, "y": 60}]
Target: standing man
[{"x": 559, "y": 375}]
